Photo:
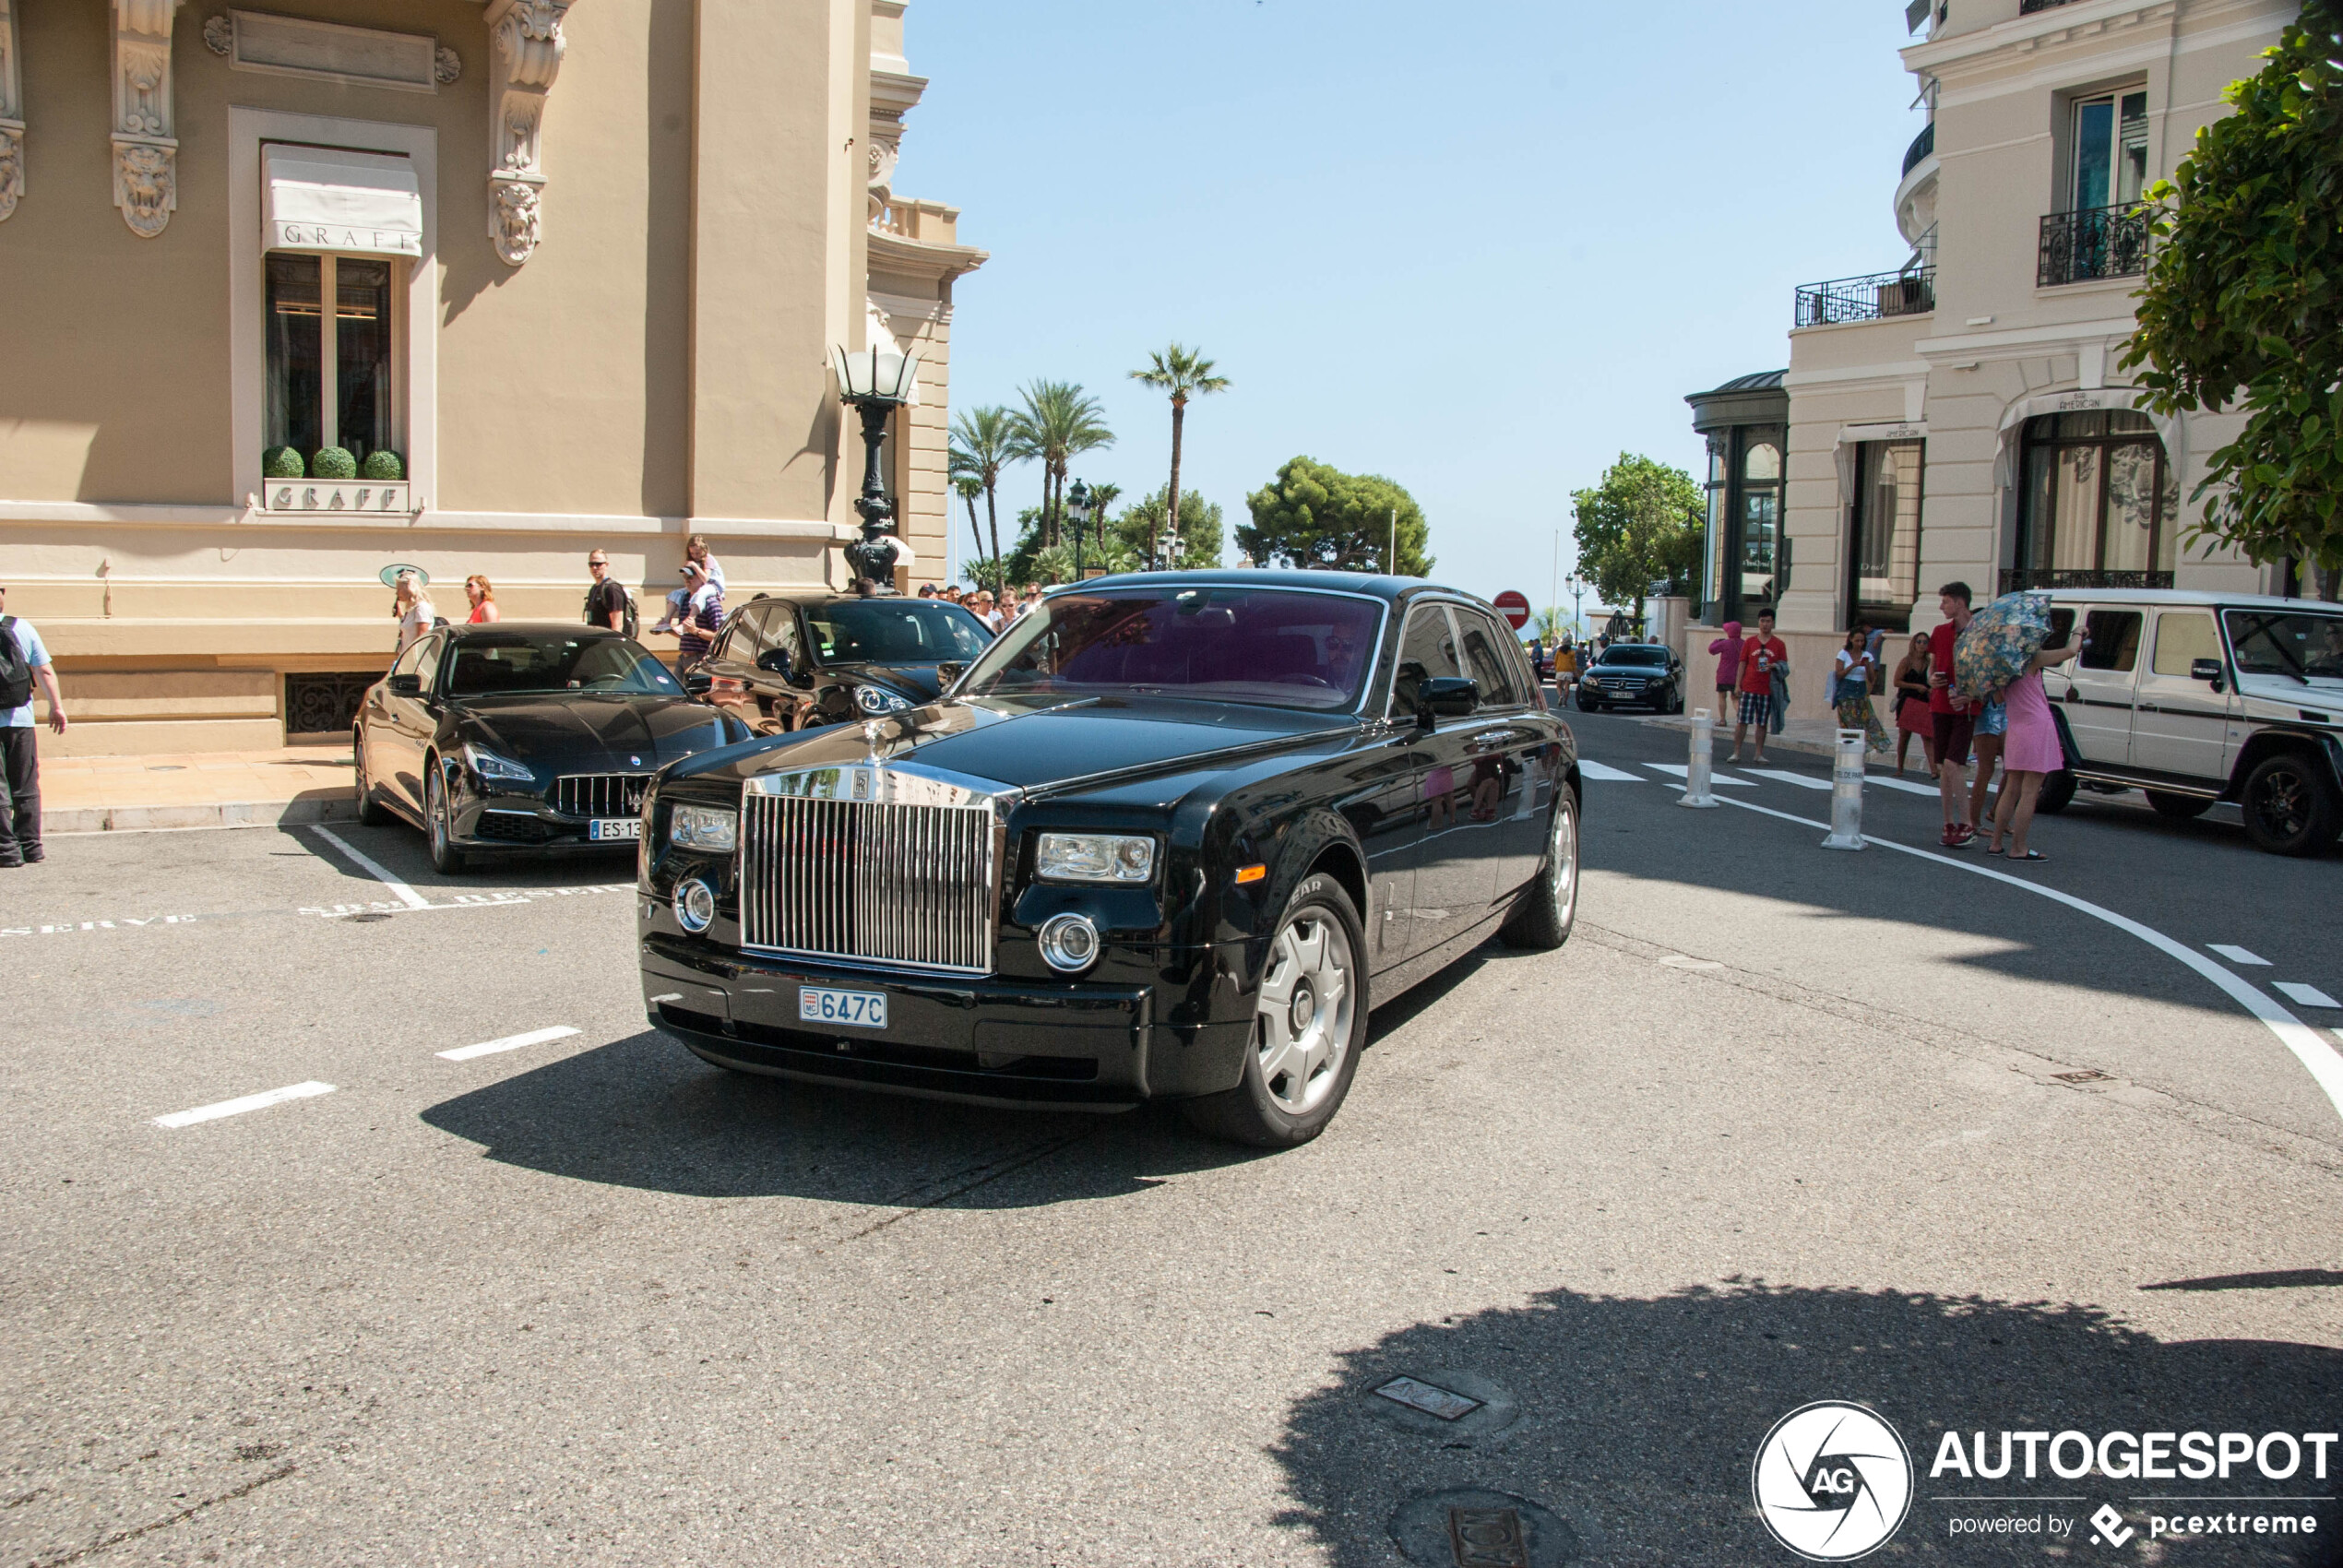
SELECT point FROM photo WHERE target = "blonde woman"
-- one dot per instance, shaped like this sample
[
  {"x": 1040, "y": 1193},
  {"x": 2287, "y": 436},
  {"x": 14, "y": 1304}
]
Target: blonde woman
[
  {"x": 415, "y": 612},
  {"x": 482, "y": 593}
]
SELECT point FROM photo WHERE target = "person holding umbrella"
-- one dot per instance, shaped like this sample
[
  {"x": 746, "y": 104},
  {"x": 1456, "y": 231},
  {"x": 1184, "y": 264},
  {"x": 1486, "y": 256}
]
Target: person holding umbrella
[{"x": 2030, "y": 751}]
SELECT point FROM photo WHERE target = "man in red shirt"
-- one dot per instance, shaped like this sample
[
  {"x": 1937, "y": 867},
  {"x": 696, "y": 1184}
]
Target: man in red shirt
[
  {"x": 1955, "y": 723},
  {"x": 1761, "y": 657}
]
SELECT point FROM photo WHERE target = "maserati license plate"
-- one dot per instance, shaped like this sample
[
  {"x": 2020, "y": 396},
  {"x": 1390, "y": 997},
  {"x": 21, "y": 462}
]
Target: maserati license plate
[
  {"x": 855, "y": 1009},
  {"x": 606, "y": 830}
]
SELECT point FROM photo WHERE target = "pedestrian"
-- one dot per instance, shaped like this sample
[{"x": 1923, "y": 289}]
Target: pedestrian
[
  {"x": 1762, "y": 657},
  {"x": 703, "y": 617},
  {"x": 1565, "y": 668},
  {"x": 413, "y": 612},
  {"x": 927, "y": 590},
  {"x": 606, "y": 601},
  {"x": 982, "y": 604},
  {"x": 24, "y": 662},
  {"x": 1850, "y": 671},
  {"x": 1955, "y": 723},
  {"x": 1728, "y": 651},
  {"x": 1985, "y": 746},
  {"x": 2030, "y": 752},
  {"x": 483, "y": 597},
  {"x": 696, "y": 549},
  {"x": 1912, "y": 706}
]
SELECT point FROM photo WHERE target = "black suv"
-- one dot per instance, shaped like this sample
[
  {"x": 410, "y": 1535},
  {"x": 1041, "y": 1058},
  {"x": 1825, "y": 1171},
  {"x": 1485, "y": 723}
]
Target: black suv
[{"x": 800, "y": 661}]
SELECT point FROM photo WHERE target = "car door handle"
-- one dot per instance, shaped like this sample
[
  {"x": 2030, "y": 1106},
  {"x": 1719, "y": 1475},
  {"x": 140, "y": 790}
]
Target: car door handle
[{"x": 2146, "y": 707}]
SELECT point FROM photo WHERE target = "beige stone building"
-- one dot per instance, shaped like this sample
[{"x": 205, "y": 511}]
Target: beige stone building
[
  {"x": 585, "y": 258},
  {"x": 1965, "y": 417}
]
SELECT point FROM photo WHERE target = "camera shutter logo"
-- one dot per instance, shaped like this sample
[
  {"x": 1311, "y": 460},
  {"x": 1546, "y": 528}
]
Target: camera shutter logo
[{"x": 1832, "y": 1480}]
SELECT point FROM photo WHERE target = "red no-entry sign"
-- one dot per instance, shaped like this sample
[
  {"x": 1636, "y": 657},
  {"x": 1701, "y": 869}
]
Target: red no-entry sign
[{"x": 1514, "y": 608}]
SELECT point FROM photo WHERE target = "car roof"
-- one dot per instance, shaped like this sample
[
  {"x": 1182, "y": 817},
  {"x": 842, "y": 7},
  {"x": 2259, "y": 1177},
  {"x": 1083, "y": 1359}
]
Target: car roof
[
  {"x": 464, "y": 629},
  {"x": 2195, "y": 596},
  {"x": 1371, "y": 583}
]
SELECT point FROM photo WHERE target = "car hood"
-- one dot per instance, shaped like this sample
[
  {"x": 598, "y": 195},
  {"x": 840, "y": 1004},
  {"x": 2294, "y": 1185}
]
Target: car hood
[
  {"x": 658, "y": 729},
  {"x": 1032, "y": 743},
  {"x": 917, "y": 681}
]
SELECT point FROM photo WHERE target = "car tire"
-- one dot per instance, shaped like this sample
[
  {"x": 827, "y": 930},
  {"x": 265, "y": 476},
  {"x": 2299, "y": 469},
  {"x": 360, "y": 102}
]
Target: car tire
[
  {"x": 438, "y": 825},
  {"x": 2289, "y": 808},
  {"x": 2178, "y": 807},
  {"x": 372, "y": 813},
  {"x": 1548, "y": 908},
  {"x": 2057, "y": 793},
  {"x": 1586, "y": 707},
  {"x": 1290, "y": 1089}
]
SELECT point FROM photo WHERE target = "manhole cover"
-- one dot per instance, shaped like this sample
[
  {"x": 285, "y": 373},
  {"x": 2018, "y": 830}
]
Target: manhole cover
[
  {"x": 1481, "y": 1529},
  {"x": 1419, "y": 1396},
  {"x": 2087, "y": 1075},
  {"x": 1455, "y": 1405}
]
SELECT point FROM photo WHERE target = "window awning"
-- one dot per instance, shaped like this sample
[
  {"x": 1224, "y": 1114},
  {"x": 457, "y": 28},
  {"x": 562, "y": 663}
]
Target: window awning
[{"x": 324, "y": 199}]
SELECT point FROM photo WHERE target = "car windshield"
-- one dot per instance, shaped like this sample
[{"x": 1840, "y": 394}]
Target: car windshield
[
  {"x": 552, "y": 661},
  {"x": 2287, "y": 643},
  {"x": 1636, "y": 655},
  {"x": 894, "y": 631},
  {"x": 1284, "y": 647}
]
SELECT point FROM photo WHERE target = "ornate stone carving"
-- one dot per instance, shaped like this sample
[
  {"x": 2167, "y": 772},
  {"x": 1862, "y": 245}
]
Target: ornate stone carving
[
  {"x": 11, "y": 113},
  {"x": 146, "y": 149},
  {"x": 446, "y": 65},
  {"x": 11, "y": 168},
  {"x": 527, "y": 57},
  {"x": 220, "y": 34}
]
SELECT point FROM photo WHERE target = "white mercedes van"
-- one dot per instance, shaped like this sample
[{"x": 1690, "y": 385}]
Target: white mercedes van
[{"x": 2198, "y": 697}]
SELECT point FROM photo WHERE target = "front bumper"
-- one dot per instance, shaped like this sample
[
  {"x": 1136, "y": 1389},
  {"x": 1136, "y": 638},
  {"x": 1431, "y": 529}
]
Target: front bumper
[
  {"x": 989, "y": 1041},
  {"x": 487, "y": 818}
]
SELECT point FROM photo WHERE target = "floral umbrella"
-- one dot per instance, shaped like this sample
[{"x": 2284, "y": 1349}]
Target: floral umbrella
[{"x": 1995, "y": 647}]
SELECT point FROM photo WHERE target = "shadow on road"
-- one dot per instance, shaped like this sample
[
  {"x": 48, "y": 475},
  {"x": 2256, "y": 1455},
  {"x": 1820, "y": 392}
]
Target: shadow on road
[
  {"x": 644, "y": 1112},
  {"x": 1639, "y": 1420}
]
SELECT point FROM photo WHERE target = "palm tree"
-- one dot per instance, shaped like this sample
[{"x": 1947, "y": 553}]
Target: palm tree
[
  {"x": 983, "y": 440},
  {"x": 968, "y": 488},
  {"x": 1185, "y": 374},
  {"x": 1101, "y": 497},
  {"x": 1058, "y": 423}
]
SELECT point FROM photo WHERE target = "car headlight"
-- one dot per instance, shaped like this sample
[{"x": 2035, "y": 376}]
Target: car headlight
[
  {"x": 1094, "y": 857},
  {"x": 878, "y": 699},
  {"x": 709, "y": 829},
  {"x": 486, "y": 764}
]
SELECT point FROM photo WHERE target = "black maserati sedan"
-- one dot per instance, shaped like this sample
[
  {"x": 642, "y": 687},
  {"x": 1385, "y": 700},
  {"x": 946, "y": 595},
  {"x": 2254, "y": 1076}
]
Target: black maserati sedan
[
  {"x": 793, "y": 661},
  {"x": 518, "y": 736},
  {"x": 1171, "y": 835},
  {"x": 1633, "y": 675}
]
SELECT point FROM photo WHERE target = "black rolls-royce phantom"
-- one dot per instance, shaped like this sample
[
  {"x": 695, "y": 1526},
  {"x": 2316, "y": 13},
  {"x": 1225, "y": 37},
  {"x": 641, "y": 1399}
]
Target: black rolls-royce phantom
[{"x": 1170, "y": 837}]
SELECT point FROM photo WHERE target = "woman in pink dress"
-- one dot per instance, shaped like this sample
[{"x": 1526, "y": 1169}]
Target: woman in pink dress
[{"x": 2029, "y": 750}]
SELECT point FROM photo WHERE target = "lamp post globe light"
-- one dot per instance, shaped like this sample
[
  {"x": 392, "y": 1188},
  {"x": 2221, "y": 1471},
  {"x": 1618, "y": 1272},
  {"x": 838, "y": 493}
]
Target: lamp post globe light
[
  {"x": 875, "y": 382},
  {"x": 1078, "y": 507}
]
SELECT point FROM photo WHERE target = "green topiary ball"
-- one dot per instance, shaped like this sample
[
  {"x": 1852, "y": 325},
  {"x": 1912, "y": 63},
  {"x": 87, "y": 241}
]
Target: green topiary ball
[
  {"x": 333, "y": 462},
  {"x": 383, "y": 463},
  {"x": 281, "y": 462}
]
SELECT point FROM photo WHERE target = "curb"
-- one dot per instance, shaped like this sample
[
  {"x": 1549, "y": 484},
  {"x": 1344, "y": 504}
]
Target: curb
[
  {"x": 226, "y": 813},
  {"x": 1773, "y": 743}
]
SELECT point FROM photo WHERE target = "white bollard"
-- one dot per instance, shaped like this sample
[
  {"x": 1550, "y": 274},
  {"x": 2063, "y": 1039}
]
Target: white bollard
[
  {"x": 1696, "y": 790},
  {"x": 1847, "y": 792}
]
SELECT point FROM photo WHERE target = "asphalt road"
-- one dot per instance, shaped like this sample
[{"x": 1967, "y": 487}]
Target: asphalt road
[{"x": 1778, "y": 1125}]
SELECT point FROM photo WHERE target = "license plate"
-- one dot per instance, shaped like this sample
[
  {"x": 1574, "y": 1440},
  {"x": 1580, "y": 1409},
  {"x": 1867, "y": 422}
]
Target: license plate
[
  {"x": 855, "y": 1009},
  {"x": 606, "y": 830}
]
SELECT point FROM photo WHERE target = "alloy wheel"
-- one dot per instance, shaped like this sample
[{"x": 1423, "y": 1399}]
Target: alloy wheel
[
  {"x": 2282, "y": 804},
  {"x": 1305, "y": 1011},
  {"x": 1561, "y": 859},
  {"x": 436, "y": 812}
]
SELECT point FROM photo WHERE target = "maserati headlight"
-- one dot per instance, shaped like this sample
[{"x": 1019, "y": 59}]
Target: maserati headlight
[
  {"x": 486, "y": 764},
  {"x": 708, "y": 828},
  {"x": 878, "y": 699},
  {"x": 1094, "y": 857}
]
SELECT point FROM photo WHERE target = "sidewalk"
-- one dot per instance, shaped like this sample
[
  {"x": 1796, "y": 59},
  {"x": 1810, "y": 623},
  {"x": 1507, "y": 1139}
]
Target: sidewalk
[
  {"x": 1815, "y": 737},
  {"x": 114, "y": 794}
]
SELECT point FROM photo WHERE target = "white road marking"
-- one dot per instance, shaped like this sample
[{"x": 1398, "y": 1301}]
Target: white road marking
[
  {"x": 405, "y": 894},
  {"x": 2323, "y": 1063},
  {"x": 2237, "y": 955},
  {"x": 117, "y": 923},
  {"x": 238, "y": 1107},
  {"x": 502, "y": 898},
  {"x": 1680, "y": 770},
  {"x": 1605, "y": 775},
  {"x": 1686, "y": 961},
  {"x": 1801, "y": 781},
  {"x": 510, "y": 1042},
  {"x": 2308, "y": 995},
  {"x": 1884, "y": 781}
]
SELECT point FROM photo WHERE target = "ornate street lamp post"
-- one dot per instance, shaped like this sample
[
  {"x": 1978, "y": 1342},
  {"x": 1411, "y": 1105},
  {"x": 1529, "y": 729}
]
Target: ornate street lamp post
[
  {"x": 1577, "y": 587},
  {"x": 876, "y": 383},
  {"x": 1078, "y": 507}
]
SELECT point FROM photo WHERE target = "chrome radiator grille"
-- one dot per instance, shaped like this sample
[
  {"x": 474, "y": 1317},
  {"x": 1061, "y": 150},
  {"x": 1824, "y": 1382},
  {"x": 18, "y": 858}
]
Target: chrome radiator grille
[
  {"x": 895, "y": 884},
  {"x": 600, "y": 794}
]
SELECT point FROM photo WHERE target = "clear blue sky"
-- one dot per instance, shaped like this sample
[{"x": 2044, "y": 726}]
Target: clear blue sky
[{"x": 1480, "y": 250}]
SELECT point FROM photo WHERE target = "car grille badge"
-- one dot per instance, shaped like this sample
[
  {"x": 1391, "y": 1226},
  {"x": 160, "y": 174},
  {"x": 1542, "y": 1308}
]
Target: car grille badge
[{"x": 634, "y": 762}]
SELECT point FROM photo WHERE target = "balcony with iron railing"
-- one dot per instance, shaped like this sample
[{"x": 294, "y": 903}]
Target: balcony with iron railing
[
  {"x": 1874, "y": 298},
  {"x": 2099, "y": 242},
  {"x": 1923, "y": 145},
  {"x": 2027, "y": 7}
]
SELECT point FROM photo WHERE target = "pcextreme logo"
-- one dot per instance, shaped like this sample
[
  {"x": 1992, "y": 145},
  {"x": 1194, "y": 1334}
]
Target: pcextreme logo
[{"x": 1832, "y": 1480}]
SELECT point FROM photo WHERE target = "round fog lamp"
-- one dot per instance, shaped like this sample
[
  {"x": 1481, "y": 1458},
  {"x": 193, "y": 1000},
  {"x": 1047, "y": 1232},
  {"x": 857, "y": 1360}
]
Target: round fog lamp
[
  {"x": 1069, "y": 942},
  {"x": 694, "y": 906}
]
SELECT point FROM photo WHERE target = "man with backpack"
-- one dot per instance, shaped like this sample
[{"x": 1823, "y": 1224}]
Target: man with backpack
[
  {"x": 23, "y": 660},
  {"x": 607, "y": 603}
]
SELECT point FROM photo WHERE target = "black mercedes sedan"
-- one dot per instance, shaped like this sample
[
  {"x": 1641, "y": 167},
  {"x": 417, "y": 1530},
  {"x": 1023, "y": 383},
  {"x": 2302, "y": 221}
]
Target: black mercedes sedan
[
  {"x": 1171, "y": 835},
  {"x": 793, "y": 661},
  {"x": 1633, "y": 675},
  {"x": 517, "y": 736}
]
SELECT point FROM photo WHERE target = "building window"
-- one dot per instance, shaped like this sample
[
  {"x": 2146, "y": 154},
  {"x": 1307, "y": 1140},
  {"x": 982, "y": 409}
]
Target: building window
[
  {"x": 1759, "y": 552},
  {"x": 331, "y": 376},
  {"x": 2111, "y": 150},
  {"x": 2100, "y": 508},
  {"x": 1883, "y": 570}
]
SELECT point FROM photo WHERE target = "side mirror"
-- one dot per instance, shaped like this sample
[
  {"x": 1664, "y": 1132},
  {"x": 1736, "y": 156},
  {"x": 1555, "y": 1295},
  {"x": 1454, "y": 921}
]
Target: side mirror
[
  {"x": 406, "y": 685},
  {"x": 774, "y": 661},
  {"x": 948, "y": 673},
  {"x": 2205, "y": 669},
  {"x": 1447, "y": 696},
  {"x": 697, "y": 683}
]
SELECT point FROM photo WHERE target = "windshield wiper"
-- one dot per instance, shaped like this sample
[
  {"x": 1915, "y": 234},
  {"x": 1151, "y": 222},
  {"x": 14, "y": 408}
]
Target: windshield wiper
[{"x": 2293, "y": 666}]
